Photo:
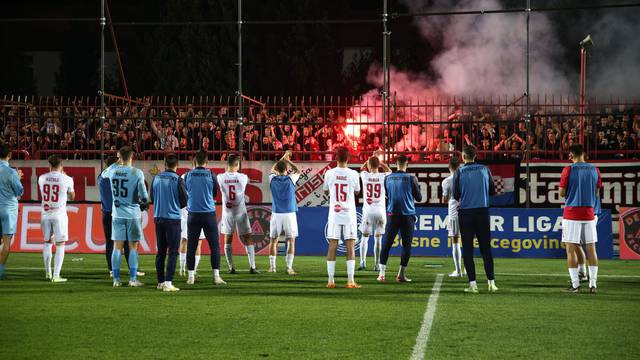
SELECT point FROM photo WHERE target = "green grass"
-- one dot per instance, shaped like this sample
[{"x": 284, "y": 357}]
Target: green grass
[{"x": 280, "y": 317}]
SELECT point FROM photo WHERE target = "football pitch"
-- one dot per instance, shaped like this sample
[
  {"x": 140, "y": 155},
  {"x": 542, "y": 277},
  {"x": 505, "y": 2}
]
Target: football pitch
[{"x": 282, "y": 317}]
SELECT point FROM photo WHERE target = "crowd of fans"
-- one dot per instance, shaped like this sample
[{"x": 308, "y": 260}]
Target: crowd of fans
[{"x": 312, "y": 132}]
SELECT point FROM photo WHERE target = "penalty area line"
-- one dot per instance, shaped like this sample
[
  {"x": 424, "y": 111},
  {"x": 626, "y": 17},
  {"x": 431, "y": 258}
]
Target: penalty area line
[
  {"x": 427, "y": 321},
  {"x": 566, "y": 275}
]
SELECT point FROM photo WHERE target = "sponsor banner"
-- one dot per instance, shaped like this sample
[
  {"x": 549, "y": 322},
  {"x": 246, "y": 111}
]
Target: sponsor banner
[
  {"x": 621, "y": 181},
  {"x": 515, "y": 233},
  {"x": 630, "y": 233},
  {"x": 86, "y": 234}
]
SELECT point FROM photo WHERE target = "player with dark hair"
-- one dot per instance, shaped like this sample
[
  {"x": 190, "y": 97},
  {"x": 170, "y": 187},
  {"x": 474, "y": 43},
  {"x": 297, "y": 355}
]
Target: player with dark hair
[
  {"x": 169, "y": 195},
  {"x": 130, "y": 198},
  {"x": 10, "y": 191},
  {"x": 472, "y": 187},
  {"x": 453, "y": 227},
  {"x": 580, "y": 183},
  {"x": 106, "y": 204},
  {"x": 402, "y": 193},
  {"x": 55, "y": 187},
  {"x": 341, "y": 184},
  {"x": 234, "y": 212},
  {"x": 374, "y": 218},
  {"x": 201, "y": 189},
  {"x": 283, "y": 210}
]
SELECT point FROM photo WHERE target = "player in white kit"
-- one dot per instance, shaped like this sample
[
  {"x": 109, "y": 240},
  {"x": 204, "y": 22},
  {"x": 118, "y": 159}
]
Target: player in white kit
[
  {"x": 182, "y": 251},
  {"x": 453, "y": 227},
  {"x": 342, "y": 184},
  {"x": 374, "y": 216},
  {"x": 234, "y": 213},
  {"x": 55, "y": 188}
]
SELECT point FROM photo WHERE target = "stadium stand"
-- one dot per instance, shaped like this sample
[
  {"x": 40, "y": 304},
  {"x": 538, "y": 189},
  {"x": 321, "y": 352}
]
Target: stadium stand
[{"x": 426, "y": 131}]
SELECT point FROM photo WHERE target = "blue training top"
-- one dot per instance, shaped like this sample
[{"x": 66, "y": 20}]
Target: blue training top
[
  {"x": 106, "y": 200},
  {"x": 202, "y": 187},
  {"x": 128, "y": 191},
  {"x": 472, "y": 186},
  {"x": 283, "y": 193},
  {"x": 402, "y": 192},
  {"x": 10, "y": 187},
  {"x": 169, "y": 194}
]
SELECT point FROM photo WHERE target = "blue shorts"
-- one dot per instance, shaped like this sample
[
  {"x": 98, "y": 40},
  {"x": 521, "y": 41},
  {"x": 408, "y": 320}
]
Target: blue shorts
[
  {"x": 8, "y": 222},
  {"x": 126, "y": 229}
]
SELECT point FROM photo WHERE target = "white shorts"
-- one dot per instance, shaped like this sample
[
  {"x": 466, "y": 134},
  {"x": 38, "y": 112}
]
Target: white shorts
[
  {"x": 55, "y": 228},
  {"x": 453, "y": 226},
  {"x": 373, "y": 222},
  {"x": 183, "y": 231},
  {"x": 342, "y": 231},
  {"x": 230, "y": 221},
  {"x": 286, "y": 223},
  {"x": 579, "y": 231}
]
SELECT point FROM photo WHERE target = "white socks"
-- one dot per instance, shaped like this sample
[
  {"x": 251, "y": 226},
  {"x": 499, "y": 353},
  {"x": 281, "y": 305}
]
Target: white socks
[
  {"x": 228, "y": 255},
  {"x": 331, "y": 270},
  {"x": 289, "y": 261},
  {"x": 195, "y": 268},
  {"x": 492, "y": 282},
  {"x": 581, "y": 269},
  {"x": 351, "y": 269},
  {"x": 457, "y": 257},
  {"x": 216, "y": 273},
  {"x": 251, "y": 254},
  {"x": 364, "y": 248},
  {"x": 47, "y": 254},
  {"x": 383, "y": 268},
  {"x": 575, "y": 279},
  {"x": 59, "y": 259},
  {"x": 191, "y": 273},
  {"x": 183, "y": 261},
  {"x": 272, "y": 262},
  {"x": 593, "y": 276},
  {"x": 473, "y": 283},
  {"x": 401, "y": 271},
  {"x": 377, "y": 247}
]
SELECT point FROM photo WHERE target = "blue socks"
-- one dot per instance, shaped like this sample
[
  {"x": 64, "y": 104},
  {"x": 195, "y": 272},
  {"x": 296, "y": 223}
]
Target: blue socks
[
  {"x": 2, "y": 271},
  {"x": 133, "y": 264},
  {"x": 115, "y": 264}
]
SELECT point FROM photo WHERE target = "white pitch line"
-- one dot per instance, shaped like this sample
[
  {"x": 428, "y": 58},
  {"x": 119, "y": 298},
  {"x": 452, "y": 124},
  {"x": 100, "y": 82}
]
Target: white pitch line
[
  {"x": 566, "y": 275},
  {"x": 427, "y": 321}
]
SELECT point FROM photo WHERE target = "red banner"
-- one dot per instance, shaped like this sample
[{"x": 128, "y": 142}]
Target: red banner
[{"x": 86, "y": 234}]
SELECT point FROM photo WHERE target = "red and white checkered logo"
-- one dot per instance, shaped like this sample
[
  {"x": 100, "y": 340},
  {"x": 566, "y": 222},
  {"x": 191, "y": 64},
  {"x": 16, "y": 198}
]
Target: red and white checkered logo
[{"x": 498, "y": 183}]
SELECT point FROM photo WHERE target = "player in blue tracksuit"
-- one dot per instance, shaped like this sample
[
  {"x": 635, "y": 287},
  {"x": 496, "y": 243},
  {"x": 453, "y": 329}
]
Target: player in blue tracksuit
[
  {"x": 130, "y": 198},
  {"x": 106, "y": 203},
  {"x": 472, "y": 187},
  {"x": 169, "y": 195},
  {"x": 402, "y": 192},
  {"x": 202, "y": 187},
  {"x": 10, "y": 190}
]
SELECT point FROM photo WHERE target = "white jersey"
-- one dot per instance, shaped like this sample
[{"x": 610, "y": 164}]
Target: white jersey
[
  {"x": 373, "y": 193},
  {"x": 232, "y": 186},
  {"x": 447, "y": 190},
  {"x": 342, "y": 183},
  {"x": 54, "y": 187}
]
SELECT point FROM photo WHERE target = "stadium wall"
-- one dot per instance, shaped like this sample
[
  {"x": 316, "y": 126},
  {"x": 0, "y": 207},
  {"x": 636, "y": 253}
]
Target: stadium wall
[
  {"x": 621, "y": 181},
  {"x": 515, "y": 232}
]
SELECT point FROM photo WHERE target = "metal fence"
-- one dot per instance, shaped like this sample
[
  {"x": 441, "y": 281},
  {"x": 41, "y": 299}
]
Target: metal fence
[{"x": 312, "y": 127}]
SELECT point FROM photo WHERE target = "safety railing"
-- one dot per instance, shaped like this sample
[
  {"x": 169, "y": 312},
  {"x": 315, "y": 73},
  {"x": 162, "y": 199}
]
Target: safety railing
[{"x": 312, "y": 127}]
